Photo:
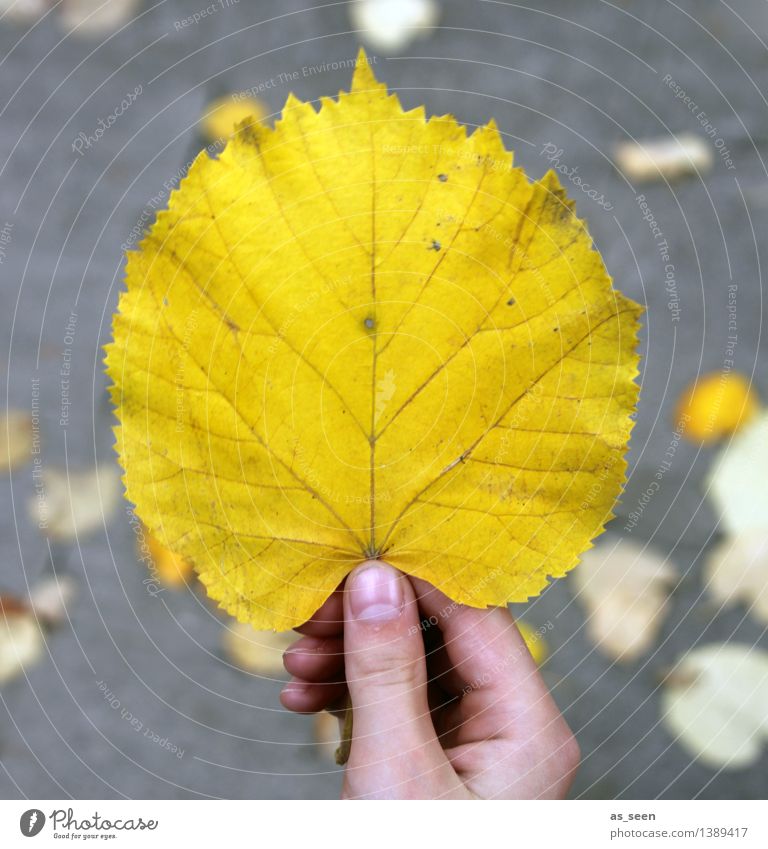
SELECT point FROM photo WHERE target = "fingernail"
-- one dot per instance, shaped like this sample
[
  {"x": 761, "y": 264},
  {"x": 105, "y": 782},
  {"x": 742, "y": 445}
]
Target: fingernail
[{"x": 376, "y": 593}]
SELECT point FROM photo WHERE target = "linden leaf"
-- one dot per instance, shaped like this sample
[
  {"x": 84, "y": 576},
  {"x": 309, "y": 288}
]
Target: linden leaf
[
  {"x": 222, "y": 116},
  {"x": 737, "y": 570},
  {"x": 15, "y": 439},
  {"x": 169, "y": 568},
  {"x": 70, "y": 504},
  {"x": 534, "y": 641},
  {"x": 736, "y": 482},
  {"x": 327, "y": 734},
  {"x": 391, "y": 25},
  {"x": 23, "y": 11},
  {"x": 21, "y": 640},
  {"x": 363, "y": 333},
  {"x": 665, "y": 158},
  {"x": 49, "y": 599},
  {"x": 260, "y": 652},
  {"x": 716, "y": 405},
  {"x": 715, "y": 702},
  {"x": 625, "y": 588},
  {"x": 95, "y": 17}
]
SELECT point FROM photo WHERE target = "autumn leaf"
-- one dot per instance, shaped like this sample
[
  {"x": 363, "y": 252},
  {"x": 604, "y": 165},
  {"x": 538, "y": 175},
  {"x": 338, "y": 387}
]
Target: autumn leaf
[
  {"x": 736, "y": 480},
  {"x": 534, "y": 641},
  {"x": 716, "y": 405},
  {"x": 366, "y": 334},
  {"x": 70, "y": 504},
  {"x": 221, "y": 117},
  {"x": 15, "y": 438},
  {"x": 260, "y": 652},
  {"x": 169, "y": 568},
  {"x": 391, "y": 25},
  {"x": 21, "y": 640},
  {"x": 665, "y": 158},
  {"x": 95, "y": 17},
  {"x": 715, "y": 702},
  {"x": 625, "y": 589}
]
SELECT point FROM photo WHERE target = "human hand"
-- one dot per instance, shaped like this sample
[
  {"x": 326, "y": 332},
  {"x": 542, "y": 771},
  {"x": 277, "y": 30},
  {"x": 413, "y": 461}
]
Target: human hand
[{"x": 448, "y": 702}]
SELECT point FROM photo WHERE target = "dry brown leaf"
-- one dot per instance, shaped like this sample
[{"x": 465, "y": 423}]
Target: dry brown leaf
[
  {"x": 21, "y": 641},
  {"x": 23, "y": 11},
  {"x": 15, "y": 438},
  {"x": 75, "y": 503},
  {"x": 391, "y": 25},
  {"x": 327, "y": 735},
  {"x": 736, "y": 481},
  {"x": 715, "y": 702},
  {"x": 49, "y": 599},
  {"x": 737, "y": 571},
  {"x": 95, "y": 17},
  {"x": 665, "y": 158},
  {"x": 260, "y": 652},
  {"x": 625, "y": 589}
]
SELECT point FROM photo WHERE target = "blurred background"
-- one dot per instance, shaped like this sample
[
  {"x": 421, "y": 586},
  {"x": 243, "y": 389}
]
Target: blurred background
[{"x": 117, "y": 677}]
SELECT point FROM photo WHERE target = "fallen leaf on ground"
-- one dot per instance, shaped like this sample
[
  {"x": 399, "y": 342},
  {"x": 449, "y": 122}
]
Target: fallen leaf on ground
[
  {"x": 75, "y": 503},
  {"x": 170, "y": 569},
  {"x": 737, "y": 479},
  {"x": 327, "y": 734},
  {"x": 625, "y": 590},
  {"x": 737, "y": 571},
  {"x": 363, "y": 333},
  {"x": 49, "y": 599},
  {"x": 224, "y": 114},
  {"x": 716, "y": 405},
  {"x": 96, "y": 17},
  {"x": 391, "y": 25},
  {"x": 535, "y": 641},
  {"x": 15, "y": 439},
  {"x": 665, "y": 158},
  {"x": 715, "y": 703},
  {"x": 21, "y": 641},
  {"x": 260, "y": 652},
  {"x": 23, "y": 11}
]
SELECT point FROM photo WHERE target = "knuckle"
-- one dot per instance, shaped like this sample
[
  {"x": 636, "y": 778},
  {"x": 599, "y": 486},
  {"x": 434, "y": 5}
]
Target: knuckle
[{"x": 385, "y": 666}]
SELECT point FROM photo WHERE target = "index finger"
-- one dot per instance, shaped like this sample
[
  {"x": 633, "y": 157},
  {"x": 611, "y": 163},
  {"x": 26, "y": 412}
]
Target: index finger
[
  {"x": 487, "y": 651},
  {"x": 328, "y": 621}
]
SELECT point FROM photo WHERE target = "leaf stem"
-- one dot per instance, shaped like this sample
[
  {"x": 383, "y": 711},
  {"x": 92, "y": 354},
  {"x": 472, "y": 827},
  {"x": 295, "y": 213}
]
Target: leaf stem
[{"x": 345, "y": 745}]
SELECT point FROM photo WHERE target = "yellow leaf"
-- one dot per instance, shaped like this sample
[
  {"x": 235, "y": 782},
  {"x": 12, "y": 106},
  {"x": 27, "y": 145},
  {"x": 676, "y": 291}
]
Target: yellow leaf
[
  {"x": 224, "y": 114},
  {"x": 260, "y": 652},
  {"x": 15, "y": 438},
  {"x": 171, "y": 569},
  {"x": 534, "y": 640},
  {"x": 366, "y": 334},
  {"x": 716, "y": 405}
]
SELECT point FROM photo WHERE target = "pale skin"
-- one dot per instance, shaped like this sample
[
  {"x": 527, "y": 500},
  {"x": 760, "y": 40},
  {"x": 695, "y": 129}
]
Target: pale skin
[{"x": 448, "y": 702}]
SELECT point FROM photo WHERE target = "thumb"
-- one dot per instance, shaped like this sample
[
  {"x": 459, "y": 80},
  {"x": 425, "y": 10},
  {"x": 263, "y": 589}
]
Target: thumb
[{"x": 395, "y": 752}]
